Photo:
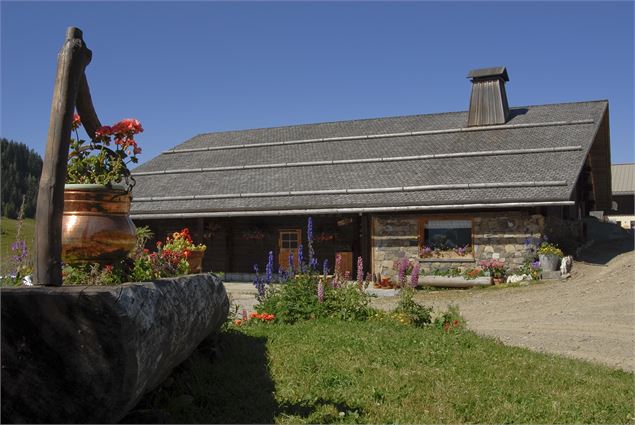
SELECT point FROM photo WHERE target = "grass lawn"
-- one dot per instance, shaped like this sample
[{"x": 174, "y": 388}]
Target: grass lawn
[
  {"x": 382, "y": 372},
  {"x": 8, "y": 229}
]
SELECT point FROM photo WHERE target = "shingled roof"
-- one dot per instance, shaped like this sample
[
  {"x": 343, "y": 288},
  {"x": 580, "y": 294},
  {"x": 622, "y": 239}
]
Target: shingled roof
[
  {"x": 623, "y": 179},
  {"x": 418, "y": 162}
]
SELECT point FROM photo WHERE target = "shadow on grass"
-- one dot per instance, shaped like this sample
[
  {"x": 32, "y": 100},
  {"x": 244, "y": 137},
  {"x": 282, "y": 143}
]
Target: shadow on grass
[{"x": 229, "y": 384}]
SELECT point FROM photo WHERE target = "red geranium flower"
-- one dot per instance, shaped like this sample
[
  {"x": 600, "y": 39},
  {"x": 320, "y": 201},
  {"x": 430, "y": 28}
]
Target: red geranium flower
[{"x": 77, "y": 121}]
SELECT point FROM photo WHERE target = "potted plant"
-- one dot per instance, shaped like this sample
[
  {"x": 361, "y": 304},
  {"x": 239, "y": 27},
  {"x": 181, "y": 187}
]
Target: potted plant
[
  {"x": 496, "y": 269},
  {"x": 549, "y": 255},
  {"x": 182, "y": 242},
  {"x": 96, "y": 226}
]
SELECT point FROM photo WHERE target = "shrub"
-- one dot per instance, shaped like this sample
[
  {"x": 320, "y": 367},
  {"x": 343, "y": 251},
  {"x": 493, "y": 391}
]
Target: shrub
[
  {"x": 95, "y": 274},
  {"x": 451, "y": 320},
  {"x": 413, "y": 312},
  {"x": 298, "y": 300}
]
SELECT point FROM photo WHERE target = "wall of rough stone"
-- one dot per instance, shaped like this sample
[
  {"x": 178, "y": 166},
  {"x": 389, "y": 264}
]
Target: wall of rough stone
[
  {"x": 498, "y": 234},
  {"x": 393, "y": 237}
]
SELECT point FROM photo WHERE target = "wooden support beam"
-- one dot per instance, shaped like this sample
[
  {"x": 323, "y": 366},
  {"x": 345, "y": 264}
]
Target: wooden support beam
[
  {"x": 365, "y": 242},
  {"x": 85, "y": 108},
  {"x": 229, "y": 245},
  {"x": 72, "y": 59}
]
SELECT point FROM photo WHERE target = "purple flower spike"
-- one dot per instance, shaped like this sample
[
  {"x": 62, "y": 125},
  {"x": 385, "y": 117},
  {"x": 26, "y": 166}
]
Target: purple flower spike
[
  {"x": 269, "y": 268},
  {"x": 259, "y": 283},
  {"x": 325, "y": 267},
  {"x": 403, "y": 267},
  {"x": 290, "y": 268},
  {"x": 309, "y": 238},
  {"x": 301, "y": 258},
  {"x": 414, "y": 278},
  {"x": 320, "y": 291}
]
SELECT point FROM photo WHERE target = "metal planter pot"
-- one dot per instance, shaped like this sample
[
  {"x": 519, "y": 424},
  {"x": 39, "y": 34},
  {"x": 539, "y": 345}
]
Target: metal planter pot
[
  {"x": 96, "y": 227},
  {"x": 549, "y": 262}
]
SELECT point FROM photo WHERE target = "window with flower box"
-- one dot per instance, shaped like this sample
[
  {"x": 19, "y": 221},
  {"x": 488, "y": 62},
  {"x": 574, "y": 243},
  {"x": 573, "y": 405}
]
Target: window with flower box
[{"x": 443, "y": 238}]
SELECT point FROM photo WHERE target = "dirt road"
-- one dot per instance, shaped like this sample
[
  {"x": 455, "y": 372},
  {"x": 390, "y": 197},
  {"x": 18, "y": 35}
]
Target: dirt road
[{"x": 590, "y": 316}]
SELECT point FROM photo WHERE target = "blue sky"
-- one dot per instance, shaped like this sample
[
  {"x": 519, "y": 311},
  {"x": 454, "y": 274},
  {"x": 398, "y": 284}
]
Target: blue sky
[{"x": 188, "y": 68}]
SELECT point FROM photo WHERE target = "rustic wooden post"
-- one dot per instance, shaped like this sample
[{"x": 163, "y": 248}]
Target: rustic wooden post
[
  {"x": 72, "y": 59},
  {"x": 85, "y": 109}
]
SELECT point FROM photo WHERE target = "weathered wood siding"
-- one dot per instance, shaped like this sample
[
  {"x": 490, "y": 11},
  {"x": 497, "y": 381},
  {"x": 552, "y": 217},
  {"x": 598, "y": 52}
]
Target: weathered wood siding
[{"x": 229, "y": 249}]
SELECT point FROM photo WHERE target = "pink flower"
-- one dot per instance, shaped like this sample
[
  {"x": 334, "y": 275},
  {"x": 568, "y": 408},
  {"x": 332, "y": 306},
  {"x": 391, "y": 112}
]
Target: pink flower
[
  {"x": 320, "y": 291},
  {"x": 360, "y": 271}
]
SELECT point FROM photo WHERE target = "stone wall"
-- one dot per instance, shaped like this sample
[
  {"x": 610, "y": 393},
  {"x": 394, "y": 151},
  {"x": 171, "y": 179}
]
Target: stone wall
[
  {"x": 499, "y": 235},
  {"x": 393, "y": 237}
]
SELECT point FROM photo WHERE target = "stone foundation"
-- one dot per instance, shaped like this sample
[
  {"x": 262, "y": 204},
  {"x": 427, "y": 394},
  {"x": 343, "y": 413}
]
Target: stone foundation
[{"x": 499, "y": 235}]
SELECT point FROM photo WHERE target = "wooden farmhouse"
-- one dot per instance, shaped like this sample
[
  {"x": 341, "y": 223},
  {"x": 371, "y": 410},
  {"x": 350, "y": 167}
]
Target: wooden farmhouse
[
  {"x": 445, "y": 189},
  {"x": 623, "y": 187}
]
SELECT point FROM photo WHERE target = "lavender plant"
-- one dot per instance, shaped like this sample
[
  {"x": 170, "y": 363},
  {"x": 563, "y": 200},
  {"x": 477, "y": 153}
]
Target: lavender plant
[
  {"x": 283, "y": 276},
  {"x": 301, "y": 258},
  {"x": 269, "y": 268},
  {"x": 414, "y": 277},
  {"x": 337, "y": 274},
  {"x": 403, "y": 267},
  {"x": 290, "y": 268},
  {"x": 309, "y": 238},
  {"x": 325, "y": 268},
  {"x": 259, "y": 283},
  {"x": 20, "y": 258},
  {"x": 320, "y": 291}
]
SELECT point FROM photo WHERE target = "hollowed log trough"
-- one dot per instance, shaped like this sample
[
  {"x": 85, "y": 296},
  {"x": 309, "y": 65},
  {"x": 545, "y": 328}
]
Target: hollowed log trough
[{"x": 88, "y": 354}]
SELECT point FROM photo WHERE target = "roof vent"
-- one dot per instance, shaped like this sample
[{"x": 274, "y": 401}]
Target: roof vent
[{"x": 488, "y": 102}]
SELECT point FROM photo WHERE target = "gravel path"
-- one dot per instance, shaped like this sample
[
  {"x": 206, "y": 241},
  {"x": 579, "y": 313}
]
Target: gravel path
[{"x": 590, "y": 316}]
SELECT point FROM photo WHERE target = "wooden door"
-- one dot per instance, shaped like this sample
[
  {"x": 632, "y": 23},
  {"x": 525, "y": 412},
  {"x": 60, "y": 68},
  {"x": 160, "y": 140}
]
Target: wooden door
[
  {"x": 346, "y": 264},
  {"x": 288, "y": 242}
]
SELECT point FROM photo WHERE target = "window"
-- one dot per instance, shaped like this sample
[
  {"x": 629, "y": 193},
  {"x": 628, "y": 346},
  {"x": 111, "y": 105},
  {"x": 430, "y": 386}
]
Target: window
[{"x": 441, "y": 238}]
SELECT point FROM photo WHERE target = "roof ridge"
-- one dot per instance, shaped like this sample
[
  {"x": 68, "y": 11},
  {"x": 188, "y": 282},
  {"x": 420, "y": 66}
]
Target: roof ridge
[{"x": 381, "y": 118}]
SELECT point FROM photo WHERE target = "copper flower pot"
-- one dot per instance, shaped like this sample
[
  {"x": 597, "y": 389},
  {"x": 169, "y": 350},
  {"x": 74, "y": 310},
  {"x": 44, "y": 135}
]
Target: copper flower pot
[{"x": 96, "y": 227}]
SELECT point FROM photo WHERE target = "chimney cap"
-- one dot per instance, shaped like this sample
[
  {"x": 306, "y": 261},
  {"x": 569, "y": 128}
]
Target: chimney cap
[{"x": 498, "y": 71}]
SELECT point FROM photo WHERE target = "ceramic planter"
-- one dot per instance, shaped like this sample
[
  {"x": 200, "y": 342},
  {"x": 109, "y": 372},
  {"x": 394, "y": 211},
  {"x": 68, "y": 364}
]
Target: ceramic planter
[{"x": 195, "y": 260}]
